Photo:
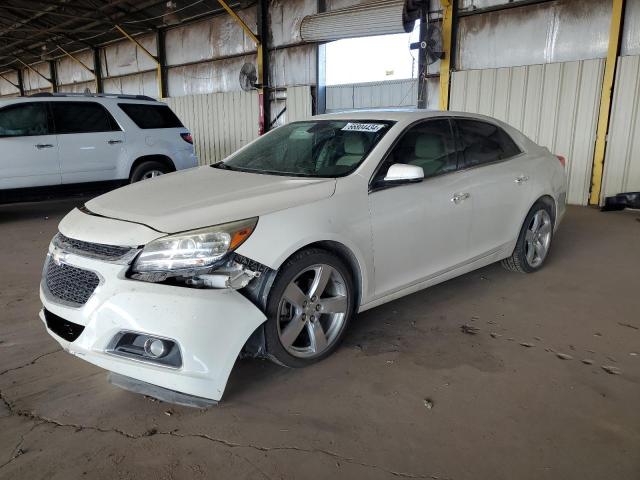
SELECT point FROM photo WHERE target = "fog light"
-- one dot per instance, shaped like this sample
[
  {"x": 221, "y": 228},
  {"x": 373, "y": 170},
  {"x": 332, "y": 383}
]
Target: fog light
[{"x": 155, "y": 348}]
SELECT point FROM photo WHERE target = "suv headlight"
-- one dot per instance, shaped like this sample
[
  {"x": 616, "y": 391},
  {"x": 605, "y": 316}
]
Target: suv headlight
[{"x": 193, "y": 250}]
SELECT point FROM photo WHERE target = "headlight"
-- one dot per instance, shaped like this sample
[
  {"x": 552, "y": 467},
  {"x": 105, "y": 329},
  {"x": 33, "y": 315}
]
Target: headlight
[{"x": 193, "y": 250}]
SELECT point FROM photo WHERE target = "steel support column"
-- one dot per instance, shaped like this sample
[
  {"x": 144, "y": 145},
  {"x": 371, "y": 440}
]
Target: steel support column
[
  {"x": 604, "y": 114},
  {"x": 423, "y": 85},
  {"x": 97, "y": 68},
  {"x": 162, "y": 61},
  {"x": 20, "y": 82},
  {"x": 321, "y": 70},
  {"x": 53, "y": 73},
  {"x": 263, "y": 58},
  {"x": 448, "y": 13}
]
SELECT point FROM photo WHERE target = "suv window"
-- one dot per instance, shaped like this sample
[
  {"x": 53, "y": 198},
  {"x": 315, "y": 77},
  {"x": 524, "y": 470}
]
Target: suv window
[
  {"x": 429, "y": 145},
  {"x": 24, "y": 119},
  {"x": 151, "y": 116},
  {"x": 480, "y": 142},
  {"x": 82, "y": 117}
]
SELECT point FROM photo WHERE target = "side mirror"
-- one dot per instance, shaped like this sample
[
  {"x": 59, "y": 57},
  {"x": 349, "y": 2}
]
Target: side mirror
[{"x": 403, "y": 173}]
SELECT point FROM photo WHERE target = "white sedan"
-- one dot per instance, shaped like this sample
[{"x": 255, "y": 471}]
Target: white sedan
[{"x": 273, "y": 251}]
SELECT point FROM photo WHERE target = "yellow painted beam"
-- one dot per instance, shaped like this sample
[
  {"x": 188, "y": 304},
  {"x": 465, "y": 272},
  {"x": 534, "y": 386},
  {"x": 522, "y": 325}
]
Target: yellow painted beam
[
  {"x": 237, "y": 18},
  {"x": 605, "y": 101},
  {"x": 150, "y": 55},
  {"x": 445, "y": 63}
]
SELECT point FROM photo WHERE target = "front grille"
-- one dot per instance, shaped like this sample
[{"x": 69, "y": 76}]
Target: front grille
[
  {"x": 70, "y": 284},
  {"x": 61, "y": 327},
  {"x": 94, "y": 250}
]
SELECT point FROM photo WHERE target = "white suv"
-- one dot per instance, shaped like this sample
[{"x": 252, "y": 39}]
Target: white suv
[{"x": 66, "y": 141}]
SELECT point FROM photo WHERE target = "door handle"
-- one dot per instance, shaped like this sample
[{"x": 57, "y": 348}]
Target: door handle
[
  {"x": 459, "y": 197},
  {"x": 114, "y": 142},
  {"x": 40, "y": 146},
  {"x": 521, "y": 179}
]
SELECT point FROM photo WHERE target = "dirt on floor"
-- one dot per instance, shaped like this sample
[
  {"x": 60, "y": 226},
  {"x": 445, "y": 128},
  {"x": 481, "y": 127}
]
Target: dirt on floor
[{"x": 492, "y": 375}]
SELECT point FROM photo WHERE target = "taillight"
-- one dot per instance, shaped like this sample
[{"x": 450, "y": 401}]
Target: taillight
[
  {"x": 187, "y": 137},
  {"x": 562, "y": 160}
]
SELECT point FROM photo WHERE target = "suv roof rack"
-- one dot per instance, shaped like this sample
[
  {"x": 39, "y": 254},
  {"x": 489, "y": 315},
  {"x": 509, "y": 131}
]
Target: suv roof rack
[{"x": 95, "y": 95}]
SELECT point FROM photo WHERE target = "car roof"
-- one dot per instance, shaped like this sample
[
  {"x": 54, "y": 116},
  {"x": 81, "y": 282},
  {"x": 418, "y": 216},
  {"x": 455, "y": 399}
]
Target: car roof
[
  {"x": 396, "y": 115},
  {"x": 102, "y": 98}
]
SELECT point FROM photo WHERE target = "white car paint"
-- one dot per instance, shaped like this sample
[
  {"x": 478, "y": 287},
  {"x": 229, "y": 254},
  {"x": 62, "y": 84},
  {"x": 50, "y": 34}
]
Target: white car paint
[
  {"x": 49, "y": 160},
  {"x": 401, "y": 239}
]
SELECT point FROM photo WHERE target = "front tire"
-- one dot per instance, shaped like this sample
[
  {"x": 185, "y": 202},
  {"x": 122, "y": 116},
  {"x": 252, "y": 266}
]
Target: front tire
[
  {"x": 309, "y": 308},
  {"x": 534, "y": 241}
]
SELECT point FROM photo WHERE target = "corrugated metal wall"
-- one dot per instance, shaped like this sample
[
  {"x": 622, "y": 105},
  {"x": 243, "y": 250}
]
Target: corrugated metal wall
[
  {"x": 622, "y": 162},
  {"x": 393, "y": 93},
  {"x": 556, "y": 105},
  {"x": 298, "y": 103},
  {"x": 221, "y": 123}
]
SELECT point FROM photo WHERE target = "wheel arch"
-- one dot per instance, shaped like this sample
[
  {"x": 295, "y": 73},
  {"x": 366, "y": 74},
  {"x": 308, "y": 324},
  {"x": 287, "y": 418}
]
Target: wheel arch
[{"x": 165, "y": 160}]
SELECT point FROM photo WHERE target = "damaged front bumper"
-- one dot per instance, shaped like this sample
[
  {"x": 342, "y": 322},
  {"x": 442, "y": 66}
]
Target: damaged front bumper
[{"x": 206, "y": 328}]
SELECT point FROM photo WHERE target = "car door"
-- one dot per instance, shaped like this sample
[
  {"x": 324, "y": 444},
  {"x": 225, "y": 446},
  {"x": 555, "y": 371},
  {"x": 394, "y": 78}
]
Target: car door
[
  {"x": 498, "y": 176},
  {"x": 91, "y": 143},
  {"x": 419, "y": 230},
  {"x": 29, "y": 150}
]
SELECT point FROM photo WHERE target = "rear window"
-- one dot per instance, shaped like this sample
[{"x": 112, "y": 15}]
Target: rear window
[
  {"x": 151, "y": 116},
  {"x": 82, "y": 117}
]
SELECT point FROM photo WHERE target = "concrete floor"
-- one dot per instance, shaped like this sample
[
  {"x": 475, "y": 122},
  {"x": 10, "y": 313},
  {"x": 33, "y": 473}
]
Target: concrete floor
[{"x": 499, "y": 409}]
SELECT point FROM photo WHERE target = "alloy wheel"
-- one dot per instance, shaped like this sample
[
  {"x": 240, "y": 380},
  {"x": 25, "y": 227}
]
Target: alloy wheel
[
  {"x": 312, "y": 311},
  {"x": 151, "y": 174},
  {"x": 538, "y": 238}
]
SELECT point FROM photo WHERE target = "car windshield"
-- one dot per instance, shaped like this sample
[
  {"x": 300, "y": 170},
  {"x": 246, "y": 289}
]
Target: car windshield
[{"x": 321, "y": 148}]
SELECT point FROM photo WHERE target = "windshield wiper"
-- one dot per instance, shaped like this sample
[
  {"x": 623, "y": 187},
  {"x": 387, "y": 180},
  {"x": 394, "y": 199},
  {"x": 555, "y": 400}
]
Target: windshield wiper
[{"x": 222, "y": 166}]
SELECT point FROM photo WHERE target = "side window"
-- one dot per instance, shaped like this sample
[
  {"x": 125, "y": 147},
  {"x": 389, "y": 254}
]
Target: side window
[
  {"x": 81, "y": 117},
  {"x": 23, "y": 120},
  {"x": 151, "y": 116},
  {"x": 481, "y": 142},
  {"x": 428, "y": 145}
]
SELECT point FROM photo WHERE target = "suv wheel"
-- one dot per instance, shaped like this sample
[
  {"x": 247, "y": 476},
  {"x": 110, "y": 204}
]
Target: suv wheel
[
  {"x": 309, "y": 307},
  {"x": 149, "y": 169}
]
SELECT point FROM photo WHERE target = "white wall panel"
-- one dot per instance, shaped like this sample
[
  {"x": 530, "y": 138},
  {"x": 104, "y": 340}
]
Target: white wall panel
[
  {"x": 298, "y": 103},
  {"x": 556, "y": 105},
  {"x": 630, "y": 42},
  {"x": 293, "y": 66},
  {"x": 208, "y": 77},
  {"x": 6, "y": 88},
  {"x": 123, "y": 58},
  {"x": 551, "y": 32},
  {"x": 221, "y": 123},
  {"x": 78, "y": 87},
  {"x": 393, "y": 93},
  {"x": 35, "y": 83},
  {"x": 622, "y": 160},
  {"x": 285, "y": 18},
  {"x": 138, "y": 84},
  {"x": 216, "y": 37},
  {"x": 69, "y": 71}
]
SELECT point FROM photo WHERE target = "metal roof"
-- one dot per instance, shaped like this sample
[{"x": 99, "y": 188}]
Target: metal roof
[{"x": 37, "y": 30}]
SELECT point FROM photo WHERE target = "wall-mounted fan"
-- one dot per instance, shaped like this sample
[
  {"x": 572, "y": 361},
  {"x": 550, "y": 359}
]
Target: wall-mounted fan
[{"x": 248, "y": 77}]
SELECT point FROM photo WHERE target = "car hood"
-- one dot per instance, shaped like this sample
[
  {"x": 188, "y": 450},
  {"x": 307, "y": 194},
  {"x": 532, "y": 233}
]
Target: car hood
[{"x": 205, "y": 196}]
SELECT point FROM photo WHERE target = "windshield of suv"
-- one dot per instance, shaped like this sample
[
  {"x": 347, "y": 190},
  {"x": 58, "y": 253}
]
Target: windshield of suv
[{"x": 321, "y": 148}]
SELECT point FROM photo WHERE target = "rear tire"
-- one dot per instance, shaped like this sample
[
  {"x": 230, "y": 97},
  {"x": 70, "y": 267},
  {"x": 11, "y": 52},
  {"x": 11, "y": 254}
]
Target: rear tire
[
  {"x": 309, "y": 308},
  {"x": 534, "y": 241},
  {"x": 148, "y": 169}
]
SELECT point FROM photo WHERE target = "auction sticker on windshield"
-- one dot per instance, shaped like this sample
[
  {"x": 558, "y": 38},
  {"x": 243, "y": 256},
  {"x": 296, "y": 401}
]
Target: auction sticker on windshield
[{"x": 363, "y": 127}]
